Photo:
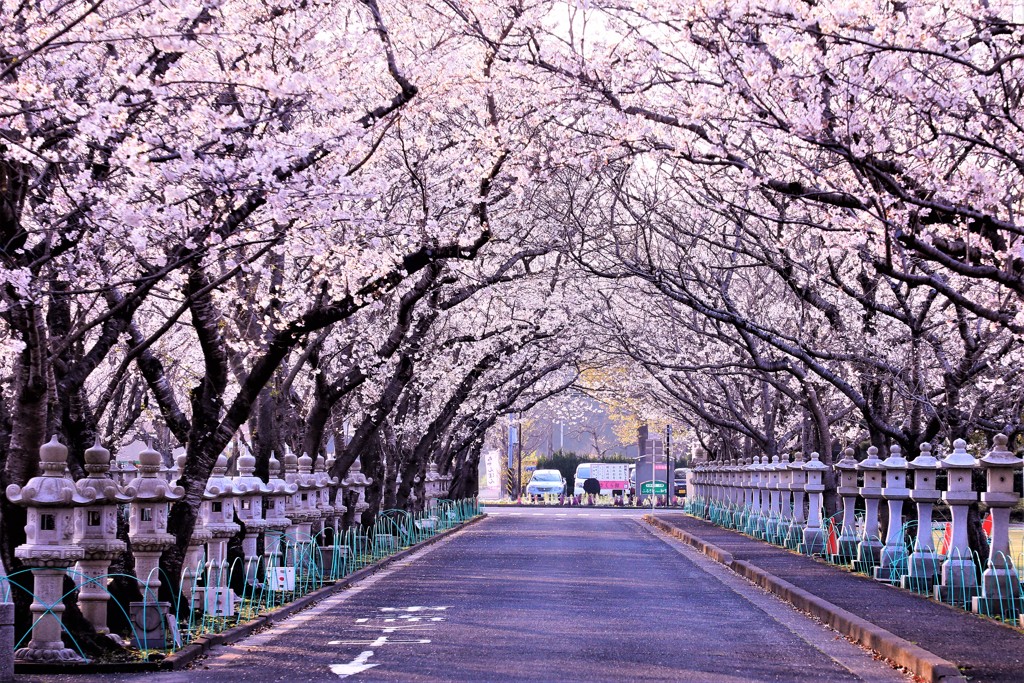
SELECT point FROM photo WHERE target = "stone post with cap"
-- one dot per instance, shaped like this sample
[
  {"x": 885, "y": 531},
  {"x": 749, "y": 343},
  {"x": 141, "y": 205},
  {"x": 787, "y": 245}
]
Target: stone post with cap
[
  {"x": 869, "y": 550},
  {"x": 279, "y": 495},
  {"x": 785, "y": 500},
  {"x": 337, "y": 498},
  {"x": 761, "y": 496},
  {"x": 923, "y": 564},
  {"x": 218, "y": 598},
  {"x": 959, "y": 573},
  {"x": 774, "y": 500},
  {"x": 797, "y": 487},
  {"x": 814, "y": 536},
  {"x": 1000, "y": 584},
  {"x": 846, "y": 544},
  {"x": 324, "y": 483},
  {"x": 195, "y": 555},
  {"x": 249, "y": 492},
  {"x": 96, "y": 534},
  {"x": 49, "y": 549},
  {"x": 357, "y": 482},
  {"x": 892, "y": 563},
  {"x": 149, "y": 539}
]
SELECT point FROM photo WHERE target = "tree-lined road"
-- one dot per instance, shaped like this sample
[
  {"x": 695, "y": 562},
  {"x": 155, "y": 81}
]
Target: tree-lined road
[{"x": 548, "y": 594}]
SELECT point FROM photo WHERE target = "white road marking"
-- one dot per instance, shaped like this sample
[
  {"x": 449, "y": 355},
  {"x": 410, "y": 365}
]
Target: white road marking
[
  {"x": 382, "y": 640},
  {"x": 537, "y": 514},
  {"x": 357, "y": 665}
]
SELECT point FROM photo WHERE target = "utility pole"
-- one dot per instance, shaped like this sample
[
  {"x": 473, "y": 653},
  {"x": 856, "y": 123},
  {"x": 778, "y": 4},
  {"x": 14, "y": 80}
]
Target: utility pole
[
  {"x": 670, "y": 468},
  {"x": 519, "y": 460}
]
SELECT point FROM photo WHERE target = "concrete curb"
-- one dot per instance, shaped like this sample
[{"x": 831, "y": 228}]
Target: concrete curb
[
  {"x": 200, "y": 646},
  {"x": 916, "y": 659}
]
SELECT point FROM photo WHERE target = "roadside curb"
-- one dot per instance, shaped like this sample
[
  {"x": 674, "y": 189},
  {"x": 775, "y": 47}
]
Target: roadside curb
[
  {"x": 200, "y": 646},
  {"x": 921, "y": 662}
]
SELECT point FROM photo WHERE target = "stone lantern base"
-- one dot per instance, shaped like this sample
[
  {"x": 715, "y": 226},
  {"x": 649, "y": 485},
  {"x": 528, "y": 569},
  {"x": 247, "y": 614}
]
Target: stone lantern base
[
  {"x": 869, "y": 551},
  {"x": 1000, "y": 594},
  {"x": 47, "y": 644},
  {"x": 923, "y": 570},
  {"x": 959, "y": 583},
  {"x": 813, "y": 542}
]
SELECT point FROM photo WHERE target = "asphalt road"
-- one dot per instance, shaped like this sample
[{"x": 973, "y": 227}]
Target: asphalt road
[{"x": 547, "y": 595}]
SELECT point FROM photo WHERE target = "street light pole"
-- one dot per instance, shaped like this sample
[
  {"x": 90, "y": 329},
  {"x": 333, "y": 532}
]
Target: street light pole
[
  {"x": 670, "y": 473},
  {"x": 519, "y": 458}
]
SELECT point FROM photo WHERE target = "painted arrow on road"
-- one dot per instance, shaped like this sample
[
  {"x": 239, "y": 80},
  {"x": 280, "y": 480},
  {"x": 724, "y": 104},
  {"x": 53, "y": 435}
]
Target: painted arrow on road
[{"x": 357, "y": 665}]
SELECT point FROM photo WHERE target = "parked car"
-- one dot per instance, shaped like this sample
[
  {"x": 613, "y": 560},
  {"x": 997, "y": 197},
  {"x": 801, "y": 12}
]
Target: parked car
[{"x": 546, "y": 483}]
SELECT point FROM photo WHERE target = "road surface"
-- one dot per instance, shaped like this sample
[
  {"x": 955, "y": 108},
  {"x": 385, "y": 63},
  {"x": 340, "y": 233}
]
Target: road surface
[{"x": 544, "y": 595}]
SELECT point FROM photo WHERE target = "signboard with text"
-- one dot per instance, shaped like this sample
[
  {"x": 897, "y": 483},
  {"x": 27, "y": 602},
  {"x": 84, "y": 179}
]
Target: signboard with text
[{"x": 657, "y": 488}]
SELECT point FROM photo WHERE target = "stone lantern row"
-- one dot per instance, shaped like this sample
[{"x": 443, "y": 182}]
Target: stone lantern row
[
  {"x": 74, "y": 524},
  {"x": 766, "y": 499}
]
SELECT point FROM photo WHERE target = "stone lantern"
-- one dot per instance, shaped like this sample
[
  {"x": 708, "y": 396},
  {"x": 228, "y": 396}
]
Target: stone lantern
[
  {"x": 846, "y": 544},
  {"x": 756, "y": 521},
  {"x": 218, "y": 598},
  {"x": 1000, "y": 584},
  {"x": 96, "y": 534},
  {"x": 772, "y": 527},
  {"x": 337, "y": 497},
  {"x": 300, "y": 507},
  {"x": 445, "y": 482},
  {"x": 814, "y": 536},
  {"x": 923, "y": 565},
  {"x": 323, "y": 483},
  {"x": 49, "y": 549},
  {"x": 893, "y": 561},
  {"x": 432, "y": 485},
  {"x": 356, "y": 481},
  {"x": 149, "y": 538},
  {"x": 250, "y": 490},
  {"x": 195, "y": 554},
  {"x": 797, "y": 485},
  {"x": 869, "y": 550},
  {"x": 750, "y": 498},
  {"x": 959, "y": 574},
  {"x": 785, "y": 500},
  {"x": 279, "y": 495}
]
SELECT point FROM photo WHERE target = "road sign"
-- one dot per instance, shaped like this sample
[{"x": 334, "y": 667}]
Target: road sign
[{"x": 657, "y": 488}]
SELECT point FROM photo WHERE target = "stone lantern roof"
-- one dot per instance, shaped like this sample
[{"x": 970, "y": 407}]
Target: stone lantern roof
[
  {"x": 355, "y": 475},
  {"x": 219, "y": 485},
  {"x": 814, "y": 464},
  {"x": 275, "y": 484},
  {"x": 999, "y": 456},
  {"x": 925, "y": 460},
  {"x": 895, "y": 461},
  {"x": 959, "y": 458},
  {"x": 148, "y": 485},
  {"x": 98, "y": 485},
  {"x": 246, "y": 483},
  {"x": 848, "y": 462},
  {"x": 51, "y": 488},
  {"x": 872, "y": 462}
]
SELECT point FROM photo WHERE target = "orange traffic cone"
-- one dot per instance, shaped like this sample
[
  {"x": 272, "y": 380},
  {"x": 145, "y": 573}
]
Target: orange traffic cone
[
  {"x": 947, "y": 539},
  {"x": 832, "y": 544}
]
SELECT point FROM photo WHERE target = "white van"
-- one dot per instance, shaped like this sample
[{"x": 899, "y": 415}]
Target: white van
[{"x": 614, "y": 477}]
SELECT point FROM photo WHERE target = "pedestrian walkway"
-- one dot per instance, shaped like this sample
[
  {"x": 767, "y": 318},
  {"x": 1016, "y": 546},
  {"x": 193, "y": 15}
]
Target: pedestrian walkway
[{"x": 983, "y": 649}]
